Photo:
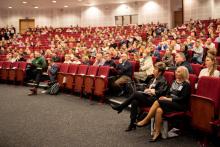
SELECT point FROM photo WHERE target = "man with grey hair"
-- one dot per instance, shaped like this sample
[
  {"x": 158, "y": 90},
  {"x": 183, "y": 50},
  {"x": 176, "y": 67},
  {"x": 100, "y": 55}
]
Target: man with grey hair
[
  {"x": 180, "y": 60},
  {"x": 124, "y": 70}
]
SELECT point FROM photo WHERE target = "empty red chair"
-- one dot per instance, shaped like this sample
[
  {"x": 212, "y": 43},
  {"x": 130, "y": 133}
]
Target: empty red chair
[
  {"x": 193, "y": 80},
  {"x": 12, "y": 71},
  {"x": 196, "y": 68},
  {"x": 205, "y": 103},
  {"x": 101, "y": 82},
  {"x": 21, "y": 72},
  {"x": 89, "y": 79},
  {"x": 4, "y": 70},
  {"x": 78, "y": 83},
  {"x": 60, "y": 76},
  {"x": 169, "y": 76},
  {"x": 73, "y": 68}
]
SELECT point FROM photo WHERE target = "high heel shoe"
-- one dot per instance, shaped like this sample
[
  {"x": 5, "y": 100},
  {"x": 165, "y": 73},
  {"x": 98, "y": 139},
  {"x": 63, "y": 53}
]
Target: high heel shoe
[
  {"x": 154, "y": 139},
  {"x": 137, "y": 125},
  {"x": 117, "y": 108},
  {"x": 130, "y": 128}
]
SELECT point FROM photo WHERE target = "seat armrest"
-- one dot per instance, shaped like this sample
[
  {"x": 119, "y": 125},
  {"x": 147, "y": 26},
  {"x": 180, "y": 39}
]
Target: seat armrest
[{"x": 195, "y": 96}]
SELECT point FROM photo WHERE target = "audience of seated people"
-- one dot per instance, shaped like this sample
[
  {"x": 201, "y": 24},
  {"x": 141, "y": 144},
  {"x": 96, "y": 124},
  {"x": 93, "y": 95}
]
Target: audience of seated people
[{"x": 81, "y": 45}]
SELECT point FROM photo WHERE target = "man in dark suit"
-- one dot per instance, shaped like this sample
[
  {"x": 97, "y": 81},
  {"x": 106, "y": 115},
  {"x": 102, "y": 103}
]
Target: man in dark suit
[
  {"x": 124, "y": 70},
  {"x": 180, "y": 60}
]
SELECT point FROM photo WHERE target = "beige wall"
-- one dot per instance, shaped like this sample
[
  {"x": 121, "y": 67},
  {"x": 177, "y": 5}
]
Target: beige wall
[
  {"x": 103, "y": 15},
  {"x": 200, "y": 9}
]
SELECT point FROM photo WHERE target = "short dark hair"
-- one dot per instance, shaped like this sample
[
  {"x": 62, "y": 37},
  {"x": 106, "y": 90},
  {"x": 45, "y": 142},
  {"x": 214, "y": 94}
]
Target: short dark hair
[{"x": 161, "y": 67}]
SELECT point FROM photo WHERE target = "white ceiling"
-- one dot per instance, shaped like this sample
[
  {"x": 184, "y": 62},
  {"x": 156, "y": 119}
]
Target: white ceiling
[{"x": 17, "y": 4}]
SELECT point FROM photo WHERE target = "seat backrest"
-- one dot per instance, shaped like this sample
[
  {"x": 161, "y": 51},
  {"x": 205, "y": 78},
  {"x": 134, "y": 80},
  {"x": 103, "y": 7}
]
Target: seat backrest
[
  {"x": 218, "y": 60},
  {"x": 193, "y": 80},
  {"x": 133, "y": 63},
  {"x": 14, "y": 65},
  {"x": 64, "y": 67},
  {"x": 196, "y": 68},
  {"x": 22, "y": 65},
  {"x": 218, "y": 67},
  {"x": 103, "y": 71},
  {"x": 169, "y": 76},
  {"x": 58, "y": 64},
  {"x": 82, "y": 70},
  {"x": 6, "y": 65},
  {"x": 93, "y": 70},
  {"x": 73, "y": 68},
  {"x": 210, "y": 87},
  {"x": 1, "y": 63}
]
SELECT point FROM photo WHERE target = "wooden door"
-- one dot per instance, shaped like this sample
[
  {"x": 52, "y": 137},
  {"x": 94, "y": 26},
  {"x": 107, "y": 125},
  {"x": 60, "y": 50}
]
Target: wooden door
[
  {"x": 178, "y": 18},
  {"x": 24, "y": 24}
]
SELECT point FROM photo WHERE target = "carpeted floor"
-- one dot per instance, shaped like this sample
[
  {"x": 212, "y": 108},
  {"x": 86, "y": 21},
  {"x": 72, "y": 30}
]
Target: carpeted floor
[{"x": 68, "y": 121}]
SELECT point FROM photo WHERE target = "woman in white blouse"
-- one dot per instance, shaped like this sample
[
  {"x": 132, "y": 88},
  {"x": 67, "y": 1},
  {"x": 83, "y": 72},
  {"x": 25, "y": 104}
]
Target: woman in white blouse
[{"x": 211, "y": 68}]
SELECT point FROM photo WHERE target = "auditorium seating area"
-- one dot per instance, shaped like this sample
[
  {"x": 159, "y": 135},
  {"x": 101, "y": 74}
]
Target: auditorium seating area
[{"x": 92, "y": 81}]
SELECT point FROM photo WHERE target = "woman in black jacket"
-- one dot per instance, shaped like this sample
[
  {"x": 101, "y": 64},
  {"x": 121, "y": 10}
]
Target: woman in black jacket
[
  {"x": 177, "y": 99},
  {"x": 156, "y": 88}
]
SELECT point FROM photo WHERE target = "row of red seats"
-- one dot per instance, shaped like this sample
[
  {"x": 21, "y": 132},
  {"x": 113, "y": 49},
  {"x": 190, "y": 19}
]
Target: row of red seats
[
  {"x": 92, "y": 80},
  {"x": 15, "y": 71}
]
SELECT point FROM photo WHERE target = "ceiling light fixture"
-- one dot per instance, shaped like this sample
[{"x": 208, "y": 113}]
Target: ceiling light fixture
[
  {"x": 9, "y": 7},
  {"x": 36, "y": 7},
  {"x": 66, "y": 6},
  {"x": 54, "y": 1},
  {"x": 24, "y": 2}
]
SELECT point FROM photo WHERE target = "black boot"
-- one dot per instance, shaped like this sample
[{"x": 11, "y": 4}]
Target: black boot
[
  {"x": 117, "y": 108},
  {"x": 130, "y": 128}
]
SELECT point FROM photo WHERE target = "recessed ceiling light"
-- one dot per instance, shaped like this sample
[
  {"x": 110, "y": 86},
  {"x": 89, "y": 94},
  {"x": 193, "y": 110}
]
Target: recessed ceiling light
[
  {"x": 54, "y": 1},
  {"x": 79, "y": 0},
  {"x": 24, "y": 2},
  {"x": 36, "y": 7},
  {"x": 10, "y": 7},
  {"x": 66, "y": 6}
]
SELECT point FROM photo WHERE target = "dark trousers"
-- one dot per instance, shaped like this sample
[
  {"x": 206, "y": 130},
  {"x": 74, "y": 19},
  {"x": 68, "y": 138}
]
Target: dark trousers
[
  {"x": 137, "y": 100},
  {"x": 36, "y": 75}
]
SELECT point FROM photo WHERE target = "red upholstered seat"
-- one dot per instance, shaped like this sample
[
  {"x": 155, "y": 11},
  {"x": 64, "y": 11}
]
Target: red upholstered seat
[
  {"x": 21, "y": 72},
  {"x": 205, "y": 103},
  {"x": 193, "y": 80},
  {"x": 79, "y": 78},
  {"x": 101, "y": 82},
  {"x": 73, "y": 68},
  {"x": 12, "y": 71},
  {"x": 89, "y": 79},
  {"x": 196, "y": 68},
  {"x": 4, "y": 70},
  {"x": 64, "y": 67},
  {"x": 169, "y": 76}
]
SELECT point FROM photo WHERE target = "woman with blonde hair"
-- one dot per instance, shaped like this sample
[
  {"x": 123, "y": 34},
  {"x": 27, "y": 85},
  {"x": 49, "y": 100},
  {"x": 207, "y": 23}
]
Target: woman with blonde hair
[
  {"x": 177, "y": 99},
  {"x": 211, "y": 67}
]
